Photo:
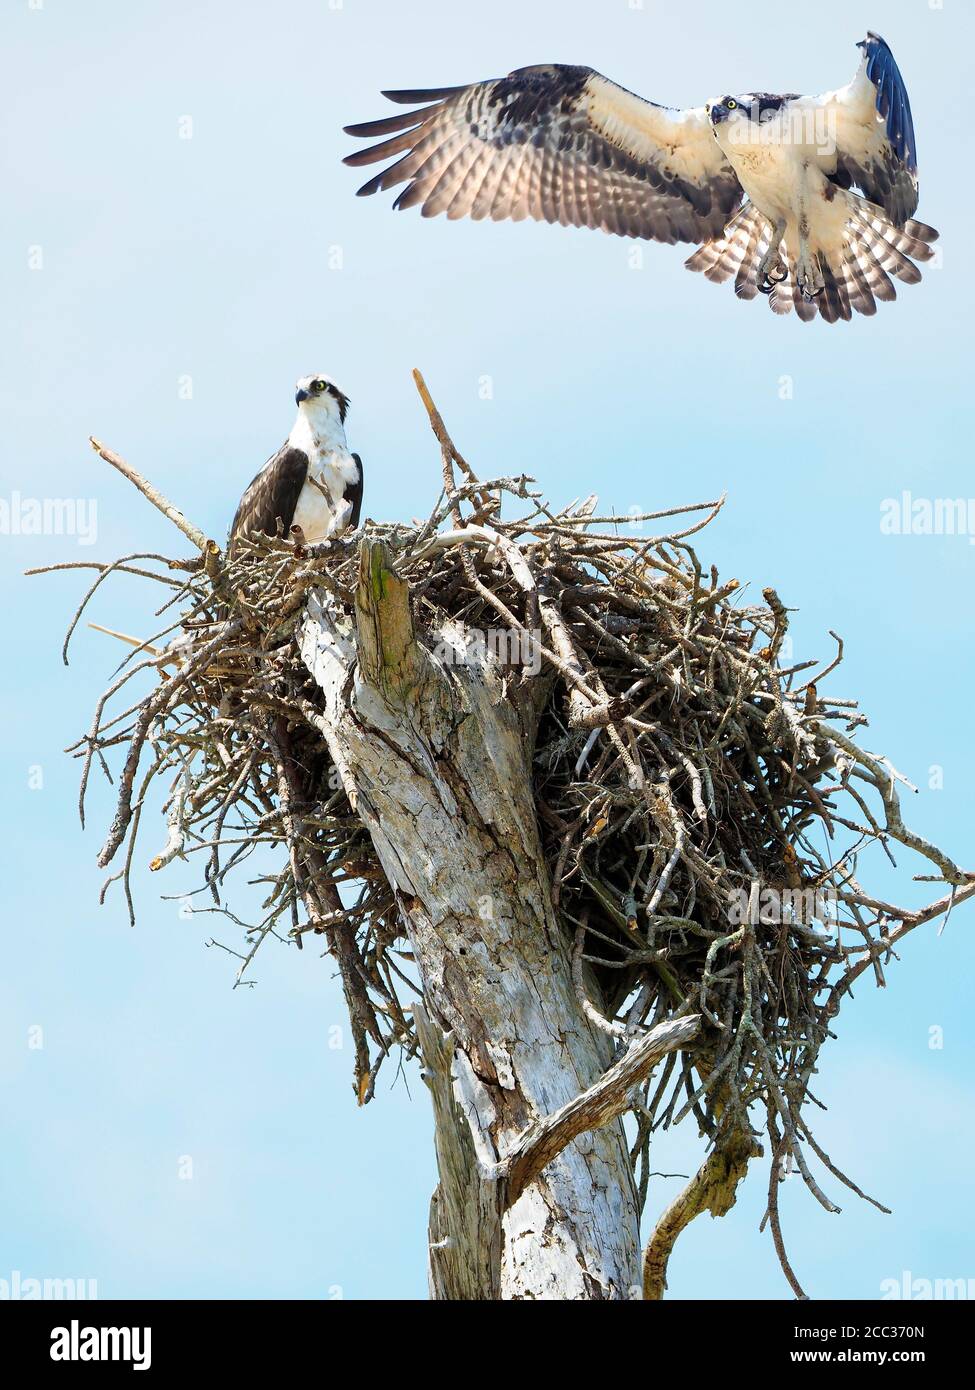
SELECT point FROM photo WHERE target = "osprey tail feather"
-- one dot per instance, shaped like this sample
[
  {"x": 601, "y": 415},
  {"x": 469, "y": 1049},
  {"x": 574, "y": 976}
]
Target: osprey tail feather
[{"x": 841, "y": 275}]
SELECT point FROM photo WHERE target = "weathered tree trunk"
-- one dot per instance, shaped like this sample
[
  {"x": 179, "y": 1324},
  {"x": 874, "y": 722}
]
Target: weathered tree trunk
[{"x": 435, "y": 755}]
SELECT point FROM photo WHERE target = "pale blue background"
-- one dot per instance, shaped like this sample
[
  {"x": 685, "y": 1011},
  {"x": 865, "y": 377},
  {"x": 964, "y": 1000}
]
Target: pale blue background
[{"x": 210, "y": 257}]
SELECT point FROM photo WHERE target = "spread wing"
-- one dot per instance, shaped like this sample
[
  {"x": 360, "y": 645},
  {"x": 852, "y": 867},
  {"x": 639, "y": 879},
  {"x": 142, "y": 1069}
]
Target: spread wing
[
  {"x": 874, "y": 132},
  {"x": 272, "y": 494},
  {"x": 559, "y": 144},
  {"x": 354, "y": 494}
]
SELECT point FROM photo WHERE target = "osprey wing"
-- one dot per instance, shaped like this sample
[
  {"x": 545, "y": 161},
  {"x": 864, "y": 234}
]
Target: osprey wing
[
  {"x": 272, "y": 494},
  {"x": 874, "y": 132},
  {"x": 354, "y": 494},
  {"x": 559, "y": 144}
]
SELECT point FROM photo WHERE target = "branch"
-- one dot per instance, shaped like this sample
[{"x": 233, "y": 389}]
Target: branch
[
  {"x": 164, "y": 658},
  {"x": 713, "y": 1188},
  {"x": 154, "y": 495},
  {"x": 604, "y": 1102},
  {"x": 908, "y": 921},
  {"x": 883, "y": 778},
  {"x": 176, "y": 823},
  {"x": 448, "y": 448}
]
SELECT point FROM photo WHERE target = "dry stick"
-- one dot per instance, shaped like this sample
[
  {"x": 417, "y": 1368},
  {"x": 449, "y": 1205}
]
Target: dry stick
[
  {"x": 881, "y": 777},
  {"x": 161, "y": 658},
  {"x": 118, "y": 567},
  {"x": 598, "y": 1020},
  {"x": 213, "y": 874},
  {"x": 825, "y": 1159},
  {"x": 713, "y": 1188},
  {"x": 772, "y": 1214},
  {"x": 443, "y": 438},
  {"x": 130, "y": 641},
  {"x": 104, "y": 572},
  {"x": 909, "y": 921},
  {"x": 91, "y": 741},
  {"x": 316, "y": 883},
  {"x": 191, "y": 532},
  {"x": 564, "y": 654},
  {"x": 449, "y": 456},
  {"x": 152, "y": 707},
  {"x": 817, "y": 679}
]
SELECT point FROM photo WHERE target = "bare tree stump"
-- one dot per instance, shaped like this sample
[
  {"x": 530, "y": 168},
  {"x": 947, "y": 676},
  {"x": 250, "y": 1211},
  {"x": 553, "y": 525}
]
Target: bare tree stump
[{"x": 436, "y": 758}]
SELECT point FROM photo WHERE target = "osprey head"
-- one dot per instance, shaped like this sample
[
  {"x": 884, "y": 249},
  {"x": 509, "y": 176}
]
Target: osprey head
[
  {"x": 318, "y": 395},
  {"x": 724, "y": 109},
  {"x": 744, "y": 119}
]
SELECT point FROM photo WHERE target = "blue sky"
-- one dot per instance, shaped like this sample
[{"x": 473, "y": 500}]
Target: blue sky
[{"x": 239, "y": 259}]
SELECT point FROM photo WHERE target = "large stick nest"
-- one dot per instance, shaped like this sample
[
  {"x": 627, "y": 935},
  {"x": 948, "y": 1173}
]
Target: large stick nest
[{"x": 704, "y": 805}]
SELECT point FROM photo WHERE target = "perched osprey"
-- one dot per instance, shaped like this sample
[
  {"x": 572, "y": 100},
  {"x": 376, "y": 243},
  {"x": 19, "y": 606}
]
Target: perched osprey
[
  {"x": 312, "y": 485},
  {"x": 765, "y": 181}
]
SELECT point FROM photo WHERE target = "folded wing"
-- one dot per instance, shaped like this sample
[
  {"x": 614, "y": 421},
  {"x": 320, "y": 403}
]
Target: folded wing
[
  {"x": 273, "y": 494},
  {"x": 353, "y": 494},
  {"x": 558, "y": 144}
]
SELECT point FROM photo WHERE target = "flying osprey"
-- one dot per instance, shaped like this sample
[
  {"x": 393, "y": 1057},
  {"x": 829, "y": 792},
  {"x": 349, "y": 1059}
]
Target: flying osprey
[
  {"x": 312, "y": 485},
  {"x": 765, "y": 181}
]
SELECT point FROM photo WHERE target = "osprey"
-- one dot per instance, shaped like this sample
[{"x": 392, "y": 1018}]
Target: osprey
[
  {"x": 312, "y": 485},
  {"x": 765, "y": 181}
]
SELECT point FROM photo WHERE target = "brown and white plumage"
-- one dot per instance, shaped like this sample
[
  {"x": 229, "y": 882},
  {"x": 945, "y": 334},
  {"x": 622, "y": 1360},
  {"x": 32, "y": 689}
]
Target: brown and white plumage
[
  {"x": 752, "y": 177},
  {"x": 559, "y": 144},
  {"x": 311, "y": 489},
  {"x": 856, "y": 273}
]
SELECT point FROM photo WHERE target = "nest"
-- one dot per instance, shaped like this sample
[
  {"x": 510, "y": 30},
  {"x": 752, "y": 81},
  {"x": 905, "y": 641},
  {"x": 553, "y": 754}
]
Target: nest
[{"x": 704, "y": 804}]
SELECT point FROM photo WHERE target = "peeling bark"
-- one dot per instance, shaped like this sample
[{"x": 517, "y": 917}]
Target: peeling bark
[{"x": 435, "y": 756}]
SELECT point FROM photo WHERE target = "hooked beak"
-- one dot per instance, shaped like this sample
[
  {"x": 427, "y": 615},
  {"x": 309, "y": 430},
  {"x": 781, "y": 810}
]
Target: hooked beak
[
  {"x": 300, "y": 396},
  {"x": 719, "y": 113}
]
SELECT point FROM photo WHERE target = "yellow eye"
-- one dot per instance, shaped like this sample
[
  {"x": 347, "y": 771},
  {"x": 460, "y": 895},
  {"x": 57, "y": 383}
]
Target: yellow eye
[
  {"x": 731, "y": 104},
  {"x": 319, "y": 386}
]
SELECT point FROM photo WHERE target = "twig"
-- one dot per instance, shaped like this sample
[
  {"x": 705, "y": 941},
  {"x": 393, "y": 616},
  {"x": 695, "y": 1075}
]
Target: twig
[{"x": 191, "y": 532}]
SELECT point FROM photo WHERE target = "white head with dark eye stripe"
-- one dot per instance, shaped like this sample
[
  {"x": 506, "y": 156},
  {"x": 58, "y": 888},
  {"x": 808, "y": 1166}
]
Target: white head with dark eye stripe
[
  {"x": 320, "y": 399},
  {"x": 729, "y": 112},
  {"x": 749, "y": 119}
]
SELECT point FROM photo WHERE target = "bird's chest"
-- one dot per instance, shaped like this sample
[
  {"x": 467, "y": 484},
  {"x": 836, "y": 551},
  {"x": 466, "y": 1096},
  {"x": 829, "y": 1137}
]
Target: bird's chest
[
  {"x": 332, "y": 468},
  {"x": 771, "y": 175},
  {"x": 330, "y": 471}
]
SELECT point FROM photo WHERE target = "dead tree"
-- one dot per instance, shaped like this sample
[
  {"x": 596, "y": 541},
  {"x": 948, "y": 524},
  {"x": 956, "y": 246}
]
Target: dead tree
[{"x": 550, "y": 796}]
